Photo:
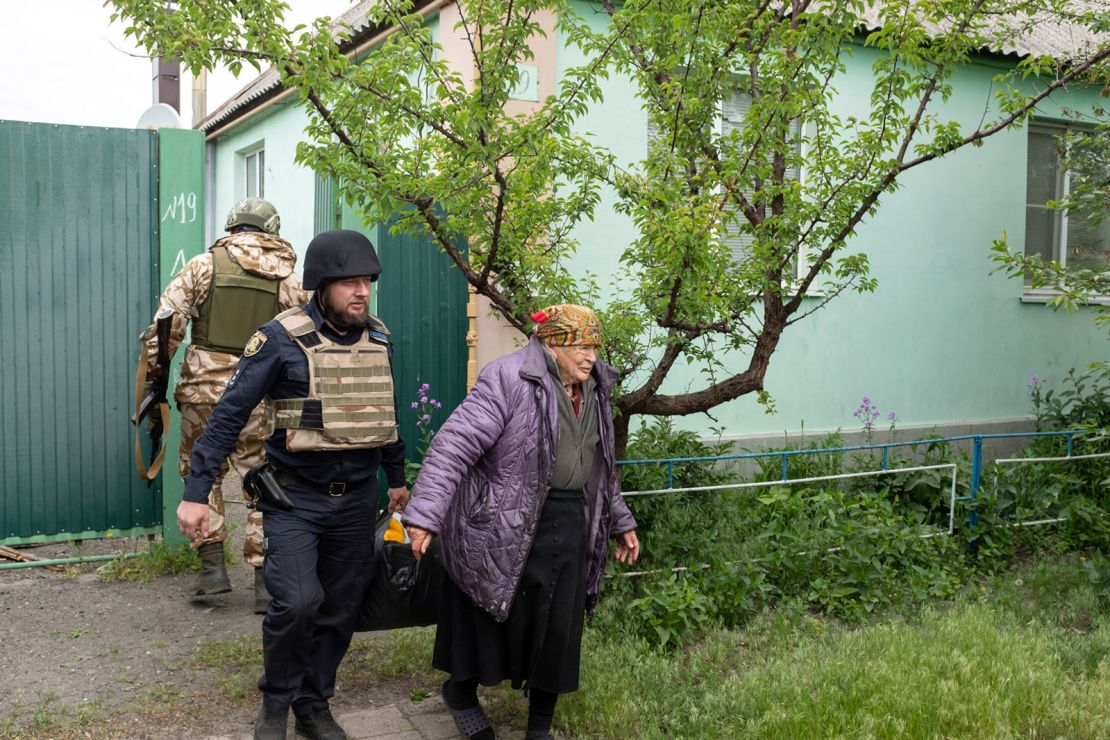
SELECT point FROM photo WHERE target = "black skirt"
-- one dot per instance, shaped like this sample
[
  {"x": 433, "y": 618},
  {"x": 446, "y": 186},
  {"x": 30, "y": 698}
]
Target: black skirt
[{"x": 540, "y": 644}]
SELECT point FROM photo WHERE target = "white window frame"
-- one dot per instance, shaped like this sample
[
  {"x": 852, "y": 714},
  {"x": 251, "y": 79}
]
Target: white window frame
[
  {"x": 802, "y": 128},
  {"x": 254, "y": 160},
  {"x": 1058, "y": 248}
]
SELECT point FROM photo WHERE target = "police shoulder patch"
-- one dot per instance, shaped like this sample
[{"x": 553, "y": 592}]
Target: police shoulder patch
[{"x": 254, "y": 344}]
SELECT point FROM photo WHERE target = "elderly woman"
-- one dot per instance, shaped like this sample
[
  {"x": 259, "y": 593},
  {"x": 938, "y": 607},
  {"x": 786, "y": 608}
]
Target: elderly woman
[{"x": 519, "y": 485}]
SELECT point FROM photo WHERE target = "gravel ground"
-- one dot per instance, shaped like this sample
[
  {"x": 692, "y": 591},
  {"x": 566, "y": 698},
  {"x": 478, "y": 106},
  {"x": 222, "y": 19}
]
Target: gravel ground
[{"x": 81, "y": 657}]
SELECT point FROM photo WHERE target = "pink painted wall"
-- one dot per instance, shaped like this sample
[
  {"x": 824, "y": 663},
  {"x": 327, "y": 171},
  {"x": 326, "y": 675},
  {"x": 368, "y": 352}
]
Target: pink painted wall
[{"x": 495, "y": 336}]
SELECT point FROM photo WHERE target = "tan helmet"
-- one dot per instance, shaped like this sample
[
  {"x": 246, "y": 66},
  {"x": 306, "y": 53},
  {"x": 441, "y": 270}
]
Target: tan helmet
[{"x": 254, "y": 212}]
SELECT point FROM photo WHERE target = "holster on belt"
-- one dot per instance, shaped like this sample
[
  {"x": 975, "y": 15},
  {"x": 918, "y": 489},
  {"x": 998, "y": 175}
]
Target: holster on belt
[{"x": 261, "y": 484}]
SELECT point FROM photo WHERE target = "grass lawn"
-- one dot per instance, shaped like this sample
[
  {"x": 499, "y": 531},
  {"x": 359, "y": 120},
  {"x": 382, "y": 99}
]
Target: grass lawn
[{"x": 1019, "y": 655}]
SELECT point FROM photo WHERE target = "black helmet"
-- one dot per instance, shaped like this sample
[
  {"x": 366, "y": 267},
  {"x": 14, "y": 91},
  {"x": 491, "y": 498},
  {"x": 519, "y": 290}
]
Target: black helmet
[{"x": 333, "y": 255}]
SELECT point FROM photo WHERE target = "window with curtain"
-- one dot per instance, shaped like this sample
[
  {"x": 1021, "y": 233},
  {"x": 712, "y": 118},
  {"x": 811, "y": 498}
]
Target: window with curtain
[
  {"x": 1074, "y": 240},
  {"x": 732, "y": 115}
]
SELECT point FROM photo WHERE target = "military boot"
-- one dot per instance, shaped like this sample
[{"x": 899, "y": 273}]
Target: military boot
[
  {"x": 271, "y": 723},
  {"x": 261, "y": 595},
  {"x": 213, "y": 575}
]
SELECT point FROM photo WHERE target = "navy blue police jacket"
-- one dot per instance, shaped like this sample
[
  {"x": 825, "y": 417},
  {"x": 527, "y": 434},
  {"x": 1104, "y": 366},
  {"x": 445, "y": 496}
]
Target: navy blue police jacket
[{"x": 279, "y": 369}]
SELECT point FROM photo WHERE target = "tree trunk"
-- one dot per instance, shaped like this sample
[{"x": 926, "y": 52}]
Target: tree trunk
[{"x": 621, "y": 422}]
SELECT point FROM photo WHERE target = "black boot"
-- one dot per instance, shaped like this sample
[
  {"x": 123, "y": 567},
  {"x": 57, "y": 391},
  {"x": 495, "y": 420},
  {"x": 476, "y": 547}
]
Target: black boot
[
  {"x": 261, "y": 595},
  {"x": 320, "y": 725},
  {"x": 271, "y": 723},
  {"x": 213, "y": 574}
]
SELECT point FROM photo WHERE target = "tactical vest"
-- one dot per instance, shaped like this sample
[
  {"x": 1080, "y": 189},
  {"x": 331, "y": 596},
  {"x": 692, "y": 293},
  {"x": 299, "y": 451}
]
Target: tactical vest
[
  {"x": 238, "y": 302},
  {"x": 350, "y": 390}
]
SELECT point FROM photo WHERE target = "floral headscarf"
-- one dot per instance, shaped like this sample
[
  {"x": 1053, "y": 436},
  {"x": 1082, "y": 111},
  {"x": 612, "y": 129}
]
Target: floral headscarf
[{"x": 567, "y": 324}]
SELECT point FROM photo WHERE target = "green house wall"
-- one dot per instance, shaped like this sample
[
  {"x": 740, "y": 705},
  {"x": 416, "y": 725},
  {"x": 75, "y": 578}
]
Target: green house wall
[{"x": 942, "y": 341}]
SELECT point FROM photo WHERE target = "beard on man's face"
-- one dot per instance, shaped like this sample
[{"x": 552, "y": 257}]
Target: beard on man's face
[{"x": 345, "y": 315}]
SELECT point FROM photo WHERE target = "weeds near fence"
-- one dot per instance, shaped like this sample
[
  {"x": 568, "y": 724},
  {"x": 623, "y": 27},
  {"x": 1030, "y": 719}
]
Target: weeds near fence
[
  {"x": 160, "y": 560},
  {"x": 854, "y": 547}
]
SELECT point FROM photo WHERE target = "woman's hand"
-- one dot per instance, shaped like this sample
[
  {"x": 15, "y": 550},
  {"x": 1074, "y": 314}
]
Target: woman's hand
[
  {"x": 628, "y": 547},
  {"x": 420, "y": 539}
]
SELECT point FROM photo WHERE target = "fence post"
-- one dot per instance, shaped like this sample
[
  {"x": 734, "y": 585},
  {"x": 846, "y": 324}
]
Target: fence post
[
  {"x": 785, "y": 458},
  {"x": 670, "y": 474},
  {"x": 886, "y": 458},
  {"x": 976, "y": 464}
]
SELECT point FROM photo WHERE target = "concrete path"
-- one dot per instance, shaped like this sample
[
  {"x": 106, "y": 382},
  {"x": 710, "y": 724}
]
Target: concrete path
[{"x": 427, "y": 720}]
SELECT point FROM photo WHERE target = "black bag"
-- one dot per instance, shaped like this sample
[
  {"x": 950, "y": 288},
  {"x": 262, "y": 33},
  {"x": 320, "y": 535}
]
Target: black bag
[{"x": 404, "y": 592}]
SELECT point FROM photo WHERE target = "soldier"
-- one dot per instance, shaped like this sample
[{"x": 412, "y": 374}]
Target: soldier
[
  {"x": 326, "y": 369},
  {"x": 240, "y": 283}
]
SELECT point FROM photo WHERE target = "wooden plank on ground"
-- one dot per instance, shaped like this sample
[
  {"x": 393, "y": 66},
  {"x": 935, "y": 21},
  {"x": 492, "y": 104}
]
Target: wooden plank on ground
[{"x": 18, "y": 555}]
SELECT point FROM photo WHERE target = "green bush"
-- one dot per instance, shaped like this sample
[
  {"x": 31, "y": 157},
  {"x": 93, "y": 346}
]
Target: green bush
[
  {"x": 1077, "y": 491},
  {"x": 851, "y": 547},
  {"x": 672, "y": 527},
  {"x": 1084, "y": 401},
  {"x": 671, "y": 612},
  {"x": 851, "y": 554}
]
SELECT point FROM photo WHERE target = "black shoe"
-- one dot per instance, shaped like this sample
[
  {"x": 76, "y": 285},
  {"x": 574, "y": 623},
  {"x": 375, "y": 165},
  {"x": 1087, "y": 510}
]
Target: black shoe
[
  {"x": 271, "y": 723},
  {"x": 320, "y": 725}
]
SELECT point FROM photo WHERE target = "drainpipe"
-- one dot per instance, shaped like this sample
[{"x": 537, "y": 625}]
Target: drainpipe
[
  {"x": 200, "y": 97},
  {"x": 210, "y": 224},
  {"x": 167, "y": 75},
  {"x": 167, "y": 82}
]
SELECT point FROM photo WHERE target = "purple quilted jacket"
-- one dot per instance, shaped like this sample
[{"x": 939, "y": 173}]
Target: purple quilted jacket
[{"x": 488, "y": 470}]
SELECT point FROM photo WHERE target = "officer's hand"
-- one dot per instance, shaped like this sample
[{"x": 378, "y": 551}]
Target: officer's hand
[
  {"x": 421, "y": 538},
  {"x": 398, "y": 497},
  {"x": 192, "y": 520}
]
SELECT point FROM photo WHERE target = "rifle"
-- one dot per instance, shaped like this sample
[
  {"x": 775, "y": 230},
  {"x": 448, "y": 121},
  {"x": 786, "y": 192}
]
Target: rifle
[{"x": 154, "y": 404}]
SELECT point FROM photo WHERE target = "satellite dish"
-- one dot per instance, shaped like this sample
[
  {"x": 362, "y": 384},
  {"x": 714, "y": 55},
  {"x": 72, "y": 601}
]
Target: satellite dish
[{"x": 158, "y": 116}]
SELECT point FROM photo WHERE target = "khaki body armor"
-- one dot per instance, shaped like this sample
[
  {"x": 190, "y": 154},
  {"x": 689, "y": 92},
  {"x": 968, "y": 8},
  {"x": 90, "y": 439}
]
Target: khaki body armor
[
  {"x": 238, "y": 302},
  {"x": 350, "y": 390}
]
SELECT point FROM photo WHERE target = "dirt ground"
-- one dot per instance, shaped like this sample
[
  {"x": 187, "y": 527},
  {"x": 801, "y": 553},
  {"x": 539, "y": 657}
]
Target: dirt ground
[{"x": 80, "y": 657}]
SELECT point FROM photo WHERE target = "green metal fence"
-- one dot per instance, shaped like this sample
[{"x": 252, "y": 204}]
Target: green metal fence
[
  {"x": 78, "y": 281},
  {"x": 422, "y": 299}
]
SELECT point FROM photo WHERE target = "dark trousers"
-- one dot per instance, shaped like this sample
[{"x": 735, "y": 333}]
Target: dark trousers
[{"x": 317, "y": 569}]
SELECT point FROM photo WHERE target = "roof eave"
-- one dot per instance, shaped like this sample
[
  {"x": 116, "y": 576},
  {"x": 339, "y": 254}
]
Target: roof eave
[{"x": 236, "y": 108}]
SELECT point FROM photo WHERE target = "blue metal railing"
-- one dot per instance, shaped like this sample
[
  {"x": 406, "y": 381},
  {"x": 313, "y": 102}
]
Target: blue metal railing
[{"x": 976, "y": 457}]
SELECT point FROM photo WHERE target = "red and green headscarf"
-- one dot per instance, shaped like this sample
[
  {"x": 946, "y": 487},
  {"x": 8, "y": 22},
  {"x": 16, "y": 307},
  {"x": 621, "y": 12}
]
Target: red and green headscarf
[{"x": 567, "y": 324}]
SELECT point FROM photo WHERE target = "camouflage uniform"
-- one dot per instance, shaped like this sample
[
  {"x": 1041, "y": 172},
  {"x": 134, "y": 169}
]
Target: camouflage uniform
[{"x": 205, "y": 373}]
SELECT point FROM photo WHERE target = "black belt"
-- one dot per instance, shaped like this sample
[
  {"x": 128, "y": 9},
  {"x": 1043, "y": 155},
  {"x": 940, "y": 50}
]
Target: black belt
[{"x": 335, "y": 488}]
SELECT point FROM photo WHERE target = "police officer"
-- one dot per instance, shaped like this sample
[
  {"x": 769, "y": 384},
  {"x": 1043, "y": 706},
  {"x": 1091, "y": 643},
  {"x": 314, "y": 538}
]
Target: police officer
[
  {"x": 326, "y": 368},
  {"x": 242, "y": 281}
]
